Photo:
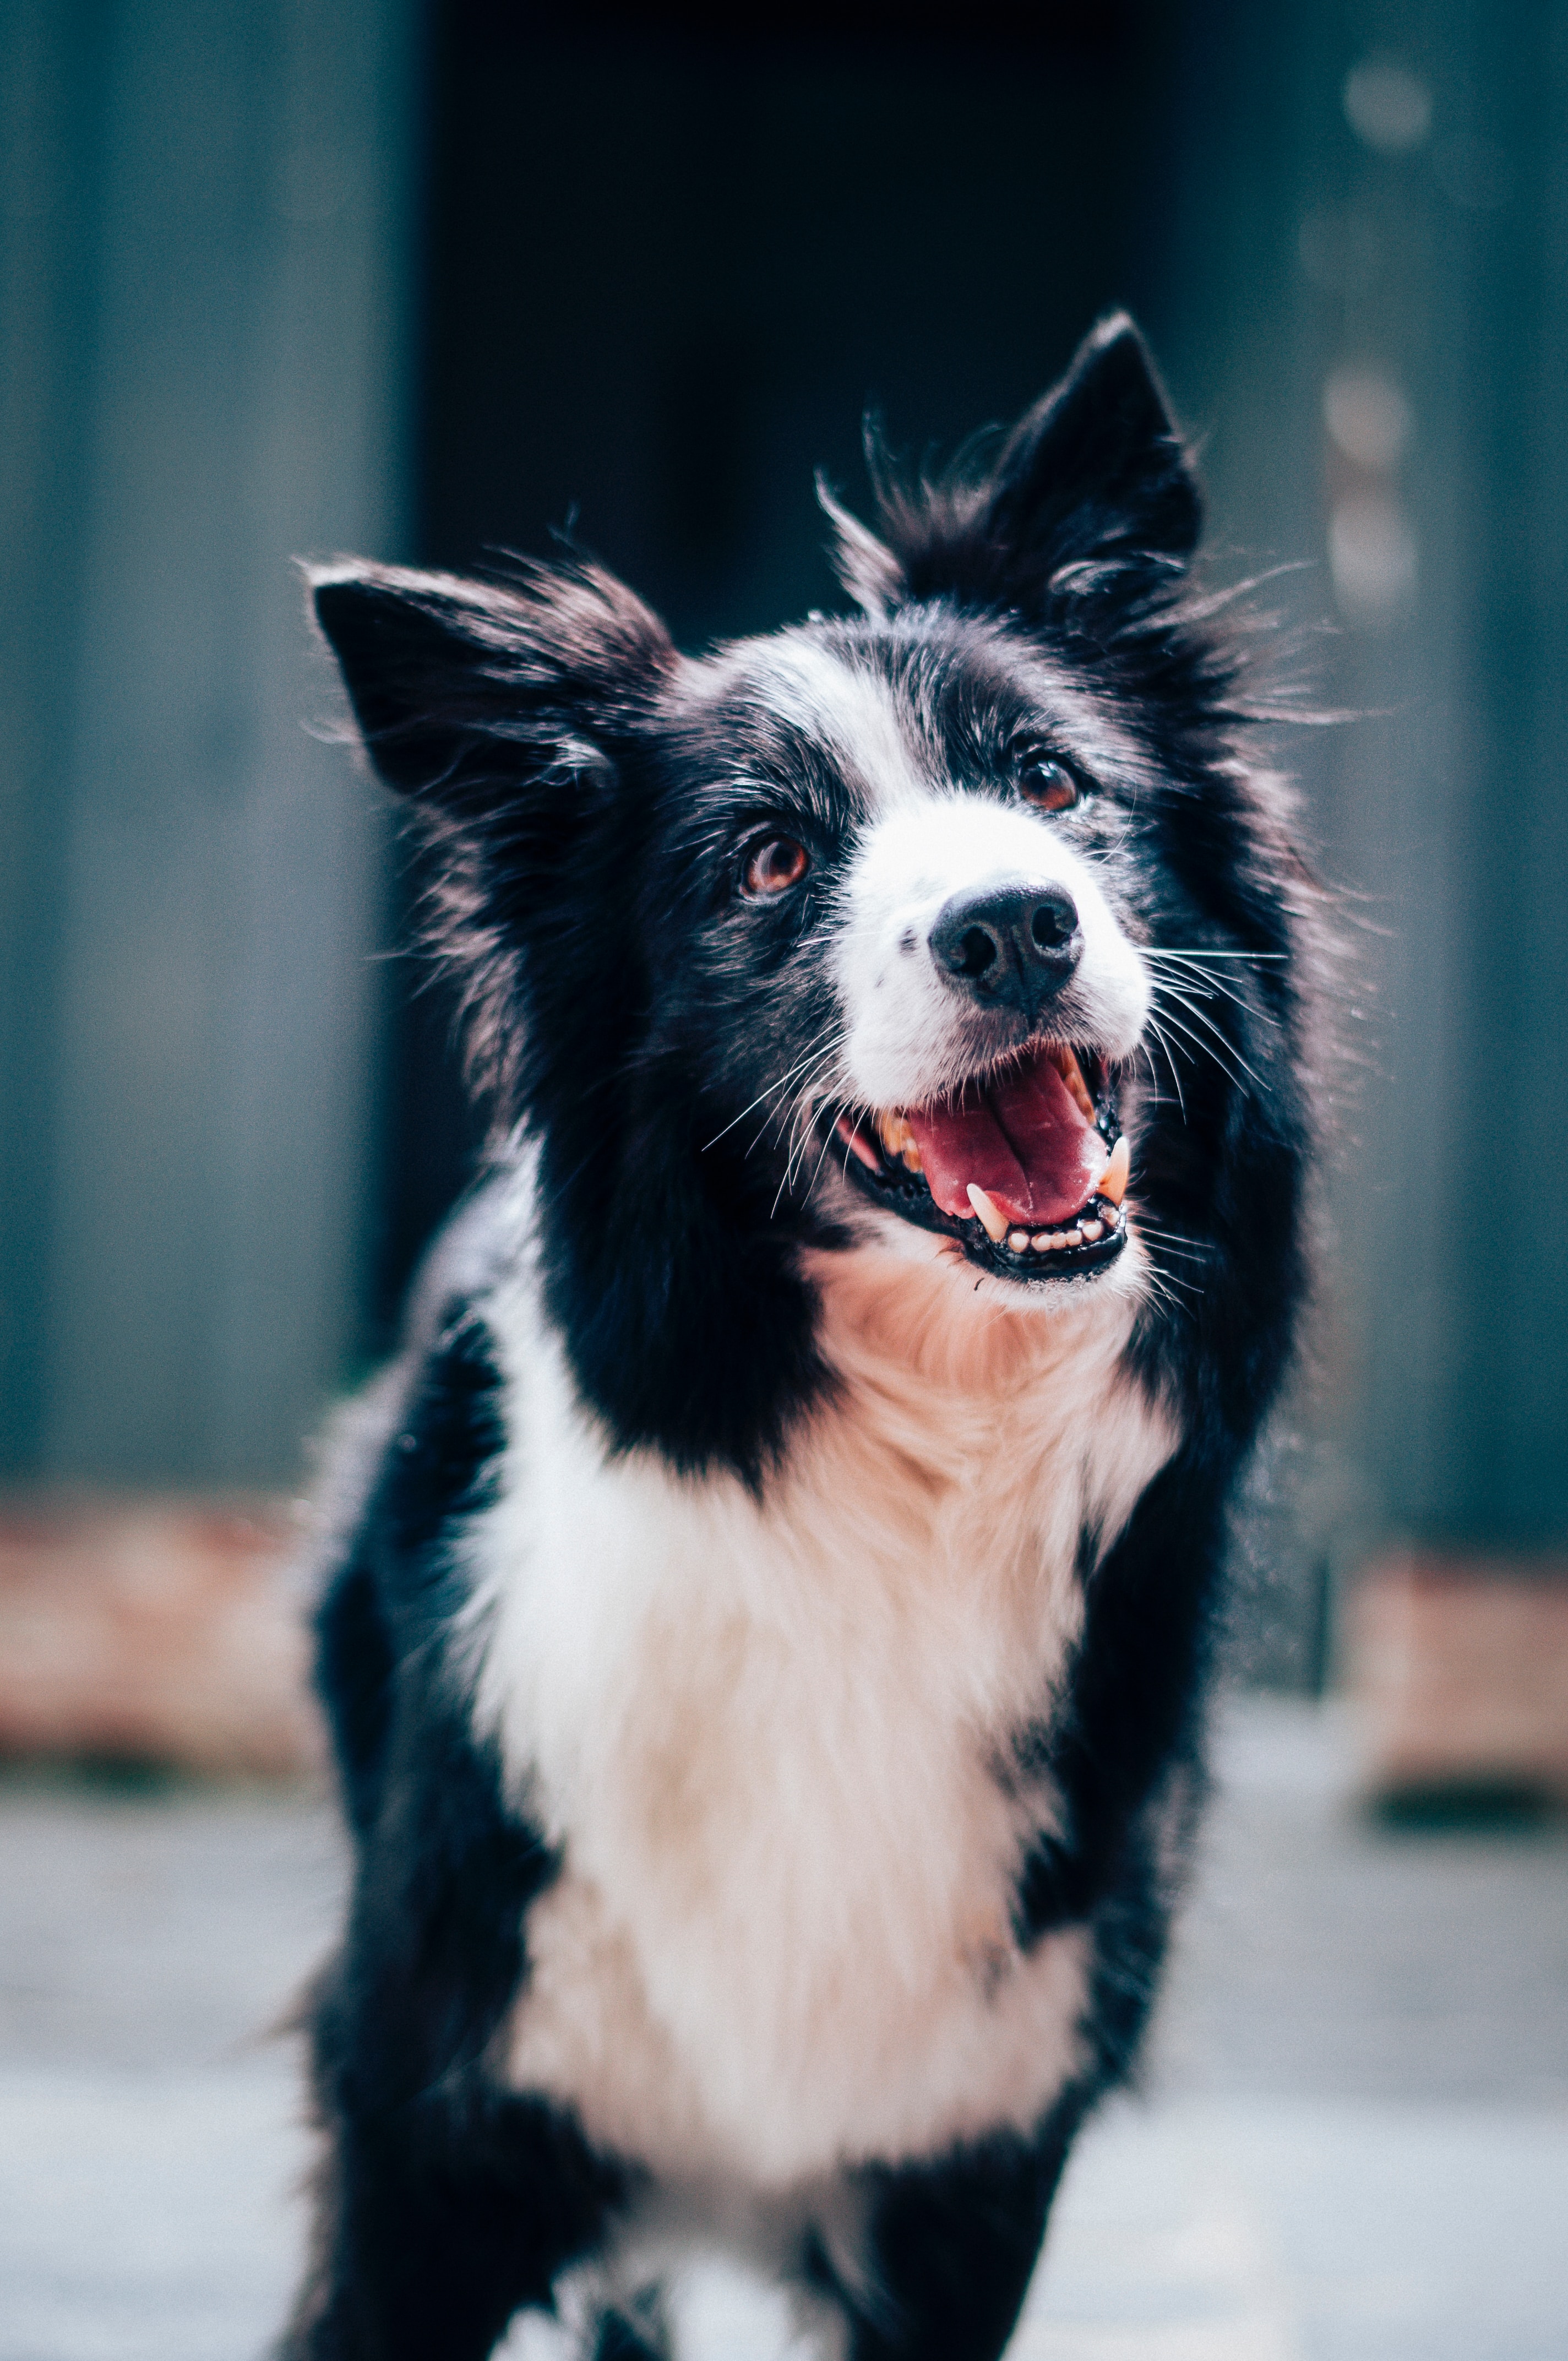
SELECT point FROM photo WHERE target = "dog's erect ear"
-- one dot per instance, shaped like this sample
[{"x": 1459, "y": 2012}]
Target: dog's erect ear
[
  {"x": 1092, "y": 492},
  {"x": 462, "y": 689},
  {"x": 1096, "y": 470}
]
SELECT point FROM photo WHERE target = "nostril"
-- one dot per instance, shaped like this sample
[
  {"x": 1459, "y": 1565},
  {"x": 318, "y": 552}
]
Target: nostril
[
  {"x": 1055, "y": 920},
  {"x": 977, "y": 951}
]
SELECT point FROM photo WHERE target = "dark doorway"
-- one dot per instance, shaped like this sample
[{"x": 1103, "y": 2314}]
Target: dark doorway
[{"x": 667, "y": 270}]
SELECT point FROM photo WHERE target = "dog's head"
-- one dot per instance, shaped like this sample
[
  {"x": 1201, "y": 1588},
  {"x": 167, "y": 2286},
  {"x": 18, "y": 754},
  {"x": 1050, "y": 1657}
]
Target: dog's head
[{"x": 956, "y": 925}]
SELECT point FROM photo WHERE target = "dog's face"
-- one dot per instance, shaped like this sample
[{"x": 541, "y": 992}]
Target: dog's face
[
  {"x": 908, "y": 926},
  {"x": 906, "y": 961}
]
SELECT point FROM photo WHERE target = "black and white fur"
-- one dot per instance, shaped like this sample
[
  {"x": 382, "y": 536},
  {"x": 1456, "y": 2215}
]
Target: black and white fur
[{"x": 765, "y": 1628}]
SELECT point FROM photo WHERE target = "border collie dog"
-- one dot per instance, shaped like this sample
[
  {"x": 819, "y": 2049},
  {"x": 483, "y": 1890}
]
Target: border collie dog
[{"x": 766, "y": 1614}]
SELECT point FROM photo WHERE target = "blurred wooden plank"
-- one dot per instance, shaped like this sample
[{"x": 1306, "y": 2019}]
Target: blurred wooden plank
[
  {"x": 157, "y": 1630},
  {"x": 1459, "y": 1669}
]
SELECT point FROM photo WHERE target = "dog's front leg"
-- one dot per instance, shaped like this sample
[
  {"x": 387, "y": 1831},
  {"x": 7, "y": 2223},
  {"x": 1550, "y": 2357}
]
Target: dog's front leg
[
  {"x": 950, "y": 2245},
  {"x": 435, "y": 2225}
]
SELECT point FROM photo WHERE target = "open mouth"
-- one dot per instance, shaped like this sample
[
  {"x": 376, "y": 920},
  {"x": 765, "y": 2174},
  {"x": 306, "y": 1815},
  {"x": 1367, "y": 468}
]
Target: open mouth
[{"x": 1024, "y": 1166}]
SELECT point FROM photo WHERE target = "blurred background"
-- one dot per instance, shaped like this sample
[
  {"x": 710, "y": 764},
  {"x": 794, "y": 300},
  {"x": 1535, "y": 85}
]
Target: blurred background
[{"x": 423, "y": 281}]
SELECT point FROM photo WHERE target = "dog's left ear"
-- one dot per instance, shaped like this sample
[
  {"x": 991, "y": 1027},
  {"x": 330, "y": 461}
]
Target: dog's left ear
[
  {"x": 469, "y": 694},
  {"x": 1093, "y": 493}
]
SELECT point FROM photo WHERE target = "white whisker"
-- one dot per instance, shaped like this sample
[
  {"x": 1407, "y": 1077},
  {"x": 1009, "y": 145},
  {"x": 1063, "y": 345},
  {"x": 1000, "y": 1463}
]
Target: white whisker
[
  {"x": 1195, "y": 1012},
  {"x": 810, "y": 1051},
  {"x": 1219, "y": 1047},
  {"x": 1214, "y": 984},
  {"x": 1170, "y": 1062}
]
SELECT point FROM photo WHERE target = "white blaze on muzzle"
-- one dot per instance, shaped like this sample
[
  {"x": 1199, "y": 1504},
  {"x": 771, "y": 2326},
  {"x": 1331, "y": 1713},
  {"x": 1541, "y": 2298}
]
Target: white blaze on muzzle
[{"x": 909, "y": 1025}]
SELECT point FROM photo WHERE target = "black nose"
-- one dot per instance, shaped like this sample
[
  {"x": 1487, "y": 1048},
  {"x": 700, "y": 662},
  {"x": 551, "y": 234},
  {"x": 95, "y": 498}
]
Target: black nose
[{"x": 1014, "y": 948}]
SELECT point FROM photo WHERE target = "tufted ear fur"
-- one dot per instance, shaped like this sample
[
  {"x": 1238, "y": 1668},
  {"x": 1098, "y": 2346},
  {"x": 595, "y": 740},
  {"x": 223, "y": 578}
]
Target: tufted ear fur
[
  {"x": 1091, "y": 495},
  {"x": 463, "y": 688},
  {"x": 508, "y": 713}
]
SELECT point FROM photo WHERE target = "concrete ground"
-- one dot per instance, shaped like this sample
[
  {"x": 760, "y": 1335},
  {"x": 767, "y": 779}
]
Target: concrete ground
[{"x": 1353, "y": 2144}]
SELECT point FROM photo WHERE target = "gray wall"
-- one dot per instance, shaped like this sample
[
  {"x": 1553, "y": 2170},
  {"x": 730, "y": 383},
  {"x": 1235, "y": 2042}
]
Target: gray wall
[
  {"x": 205, "y": 279},
  {"x": 1404, "y": 239}
]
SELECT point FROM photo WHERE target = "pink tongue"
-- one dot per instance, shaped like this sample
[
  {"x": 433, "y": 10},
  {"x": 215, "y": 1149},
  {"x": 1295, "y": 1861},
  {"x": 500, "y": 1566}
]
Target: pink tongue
[{"x": 1024, "y": 1140}]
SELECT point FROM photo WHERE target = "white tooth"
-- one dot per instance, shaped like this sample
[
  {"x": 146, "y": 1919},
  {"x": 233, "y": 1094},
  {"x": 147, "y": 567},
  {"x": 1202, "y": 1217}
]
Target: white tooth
[
  {"x": 1041, "y": 1241},
  {"x": 992, "y": 1221},
  {"x": 1091, "y": 1231},
  {"x": 1113, "y": 1185},
  {"x": 1018, "y": 1240},
  {"x": 862, "y": 1148},
  {"x": 1056, "y": 1240},
  {"x": 1073, "y": 1238},
  {"x": 1072, "y": 1075}
]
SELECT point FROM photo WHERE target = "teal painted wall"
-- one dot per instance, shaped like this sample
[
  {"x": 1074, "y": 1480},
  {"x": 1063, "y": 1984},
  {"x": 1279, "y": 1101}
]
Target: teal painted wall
[
  {"x": 1371, "y": 315},
  {"x": 206, "y": 264}
]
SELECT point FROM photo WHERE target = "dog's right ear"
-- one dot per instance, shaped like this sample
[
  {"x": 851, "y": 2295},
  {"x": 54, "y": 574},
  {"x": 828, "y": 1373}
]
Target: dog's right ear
[
  {"x": 464, "y": 690},
  {"x": 1088, "y": 509}
]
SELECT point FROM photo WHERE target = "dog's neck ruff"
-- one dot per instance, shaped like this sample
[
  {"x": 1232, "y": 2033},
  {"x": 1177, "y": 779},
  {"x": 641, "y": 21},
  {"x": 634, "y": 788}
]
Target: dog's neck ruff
[{"x": 778, "y": 1741}]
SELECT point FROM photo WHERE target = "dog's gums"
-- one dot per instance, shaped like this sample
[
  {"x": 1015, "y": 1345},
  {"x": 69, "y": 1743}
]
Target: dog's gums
[{"x": 1038, "y": 1241}]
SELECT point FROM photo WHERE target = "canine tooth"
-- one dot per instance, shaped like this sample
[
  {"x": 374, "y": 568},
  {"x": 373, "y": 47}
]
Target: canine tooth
[
  {"x": 912, "y": 1158},
  {"x": 1113, "y": 1185},
  {"x": 990, "y": 1221},
  {"x": 896, "y": 1135},
  {"x": 1018, "y": 1241},
  {"x": 1091, "y": 1231},
  {"x": 862, "y": 1148}
]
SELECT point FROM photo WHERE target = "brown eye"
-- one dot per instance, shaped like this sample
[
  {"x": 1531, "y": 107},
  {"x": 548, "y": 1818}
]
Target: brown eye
[
  {"x": 775, "y": 865},
  {"x": 1048, "y": 785}
]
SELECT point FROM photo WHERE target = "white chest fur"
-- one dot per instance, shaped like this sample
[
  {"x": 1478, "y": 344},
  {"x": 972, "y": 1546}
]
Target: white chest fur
[{"x": 772, "y": 1739}]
